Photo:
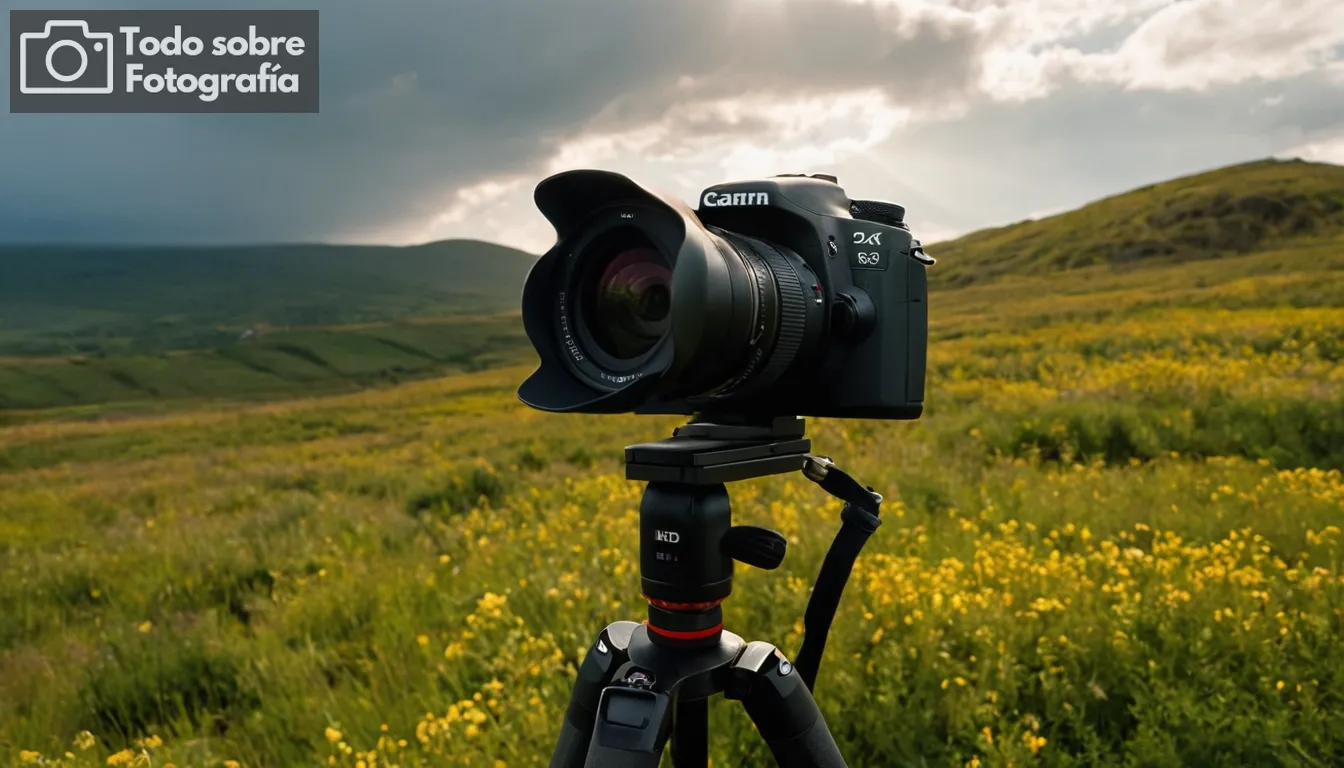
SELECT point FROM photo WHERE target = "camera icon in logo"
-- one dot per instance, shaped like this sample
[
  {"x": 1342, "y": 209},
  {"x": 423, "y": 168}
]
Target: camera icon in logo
[{"x": 41, "y": 72}]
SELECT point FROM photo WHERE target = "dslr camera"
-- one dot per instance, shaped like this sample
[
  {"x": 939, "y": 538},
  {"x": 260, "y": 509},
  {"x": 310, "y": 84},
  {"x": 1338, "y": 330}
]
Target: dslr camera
[{"x": 777, "y": 297}]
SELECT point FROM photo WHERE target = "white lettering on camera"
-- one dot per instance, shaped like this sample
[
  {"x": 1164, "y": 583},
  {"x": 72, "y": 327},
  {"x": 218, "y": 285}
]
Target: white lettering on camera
[
  {"x": 720, "y": 199},
  {"x": 208, "y": 86},
  {"x": 671, "y": 537},
  {"x": 570, "y": 344}
]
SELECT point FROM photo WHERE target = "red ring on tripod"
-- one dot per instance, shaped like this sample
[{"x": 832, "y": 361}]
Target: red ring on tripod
[
  {"x": 698, "y": 634},
  {"x": 671, "y": 606}
]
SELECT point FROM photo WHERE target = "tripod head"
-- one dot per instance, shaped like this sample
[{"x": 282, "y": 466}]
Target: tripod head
[
  {"x": 687, "y": 542},
  {"x": 640, "y": 685}
]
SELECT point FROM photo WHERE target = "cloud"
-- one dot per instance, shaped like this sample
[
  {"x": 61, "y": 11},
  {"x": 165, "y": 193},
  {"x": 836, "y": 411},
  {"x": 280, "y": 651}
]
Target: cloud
[
  {"x": 693, "y": 146},
  {"x": 1329, "y": 150},
  {"x": 439, "y": 116},
  {"x": 1199, "y": 44}
]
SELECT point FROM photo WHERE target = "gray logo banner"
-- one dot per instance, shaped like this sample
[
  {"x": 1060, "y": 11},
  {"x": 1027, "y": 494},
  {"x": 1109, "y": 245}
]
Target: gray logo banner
[{"x": 163, "y": 61}]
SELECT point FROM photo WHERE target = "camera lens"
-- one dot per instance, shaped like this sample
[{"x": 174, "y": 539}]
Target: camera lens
[
  {"x": 644, "y": 306},
  {"x": 746, "y": 326},
  {"x": 625, "y": 294},
  {"x": 771, "y": 336}
]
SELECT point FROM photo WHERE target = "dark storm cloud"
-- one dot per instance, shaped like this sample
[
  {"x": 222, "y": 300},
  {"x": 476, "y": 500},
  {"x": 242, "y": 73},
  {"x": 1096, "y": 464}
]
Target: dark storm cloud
[
  {"x": 490, "y": 79},
  {"x": 422, "y": 97}
]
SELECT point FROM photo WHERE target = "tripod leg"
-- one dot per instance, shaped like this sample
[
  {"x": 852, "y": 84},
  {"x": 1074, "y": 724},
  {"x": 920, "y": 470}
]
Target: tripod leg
[
  {"x": 780, "y": 705},
  {"x": 632, "y": 726},
  {"x": 604, "y": 658},
  {"x": 690, "y": 734}
]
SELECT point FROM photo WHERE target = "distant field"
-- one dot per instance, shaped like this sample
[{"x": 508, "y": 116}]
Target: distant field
[
  {"x": 279, "y": 364},
  {"x": 345, "y": 358},
  {"x": 128, "y": 300}
]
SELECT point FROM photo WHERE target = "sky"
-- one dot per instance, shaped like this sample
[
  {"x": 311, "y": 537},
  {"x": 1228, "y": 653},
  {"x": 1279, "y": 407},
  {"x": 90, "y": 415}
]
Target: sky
[{"x": 439, "y": 117}]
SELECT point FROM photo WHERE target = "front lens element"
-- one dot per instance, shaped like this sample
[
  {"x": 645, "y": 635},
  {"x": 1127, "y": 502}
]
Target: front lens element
[{"x": 626, "y": 296}]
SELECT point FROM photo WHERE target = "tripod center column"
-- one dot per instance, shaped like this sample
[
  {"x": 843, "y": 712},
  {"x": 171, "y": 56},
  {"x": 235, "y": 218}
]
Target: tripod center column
[{"x": 684, "y": 573}]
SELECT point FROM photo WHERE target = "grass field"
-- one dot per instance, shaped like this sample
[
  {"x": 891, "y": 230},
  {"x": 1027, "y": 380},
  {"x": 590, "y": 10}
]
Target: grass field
[
  {"x": 283, "y": 363},
  {"x": 146, "y": 300},
  {"x": 1113, "y": 540},
  {"x": 1218, "y": 214}
]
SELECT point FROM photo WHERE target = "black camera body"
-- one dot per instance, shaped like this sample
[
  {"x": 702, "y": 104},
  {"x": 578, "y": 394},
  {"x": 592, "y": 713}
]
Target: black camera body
[
  {"x": 872, "y": 273},
  {"x": 775, "y": 297}
]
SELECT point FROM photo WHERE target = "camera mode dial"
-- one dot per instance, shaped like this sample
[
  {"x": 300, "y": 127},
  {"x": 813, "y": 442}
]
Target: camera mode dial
[
  {"x": 822, "y": 176},
  {"x": 878, "y": 212}
]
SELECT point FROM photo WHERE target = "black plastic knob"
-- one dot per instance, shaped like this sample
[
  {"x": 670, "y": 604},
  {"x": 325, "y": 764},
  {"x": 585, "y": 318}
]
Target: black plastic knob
[
  {"x": 758, "y": 547},
  {"x": 822, "y": 176},
  {"x": 853, "y": 314},
  {"x": 877, "y": 211}
]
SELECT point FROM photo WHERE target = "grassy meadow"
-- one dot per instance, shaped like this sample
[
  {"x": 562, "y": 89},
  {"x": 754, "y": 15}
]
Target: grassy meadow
[
  {"x": 94, "y": 301},
  {"x": 1113, "y": 540},
  {"x": 267, "y": 366}
]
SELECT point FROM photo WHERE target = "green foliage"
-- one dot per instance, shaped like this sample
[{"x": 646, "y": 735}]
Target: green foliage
[
  {"x": 460, "y": 493},
  {"x": 1113, "y": 540},
  {"x": 284, "y": 363},
  {"x": 147, "y": 300},
  {"x": 1306, "y": 433},
  {"x": 1229, "y": 211},
  {"x": 252, "y": 597},
  {"x": 144, "y": 682}
]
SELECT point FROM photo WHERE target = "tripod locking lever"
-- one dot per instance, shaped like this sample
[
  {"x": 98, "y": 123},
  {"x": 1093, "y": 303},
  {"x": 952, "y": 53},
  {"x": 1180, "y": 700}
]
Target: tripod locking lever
[{"x": 758, "y": 547}]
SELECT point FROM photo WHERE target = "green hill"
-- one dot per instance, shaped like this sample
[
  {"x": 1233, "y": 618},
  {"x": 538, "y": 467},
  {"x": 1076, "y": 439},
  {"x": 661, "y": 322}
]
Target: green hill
[
  {"x": 121, "y": 300},
  {"x": 1237, "y": 210},
  {"x": 298, "y": 362},
  {"x": 95, "y": 327}
]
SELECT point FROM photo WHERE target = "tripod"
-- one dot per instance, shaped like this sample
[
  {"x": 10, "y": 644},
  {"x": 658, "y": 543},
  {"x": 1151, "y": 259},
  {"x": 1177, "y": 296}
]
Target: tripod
[{"x": 641, "y": 685}]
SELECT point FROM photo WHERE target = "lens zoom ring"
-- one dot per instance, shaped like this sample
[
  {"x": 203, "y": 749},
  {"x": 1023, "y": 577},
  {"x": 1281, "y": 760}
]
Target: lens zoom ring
[
  {"x": 792, "y": 315},
  {"x": 765, "y": 297}
]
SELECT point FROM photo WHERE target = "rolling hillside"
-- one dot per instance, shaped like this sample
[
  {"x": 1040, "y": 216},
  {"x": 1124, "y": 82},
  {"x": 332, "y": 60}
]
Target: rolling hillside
[
  {"x": 62, "y": 301},
  {"x": 1269, "y": 205},
  {"x": 302, "y": 361},
  {"x": 134, "y": 327}
]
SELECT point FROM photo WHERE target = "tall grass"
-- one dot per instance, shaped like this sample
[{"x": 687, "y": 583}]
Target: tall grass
[{"x": 1113, "y": 540}]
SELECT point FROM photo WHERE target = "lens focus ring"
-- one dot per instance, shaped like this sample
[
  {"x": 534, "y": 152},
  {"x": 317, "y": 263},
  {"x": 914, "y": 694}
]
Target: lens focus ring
[
  {"x": 792, "y": 313},
  {"x": 780, "y": 308}
]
